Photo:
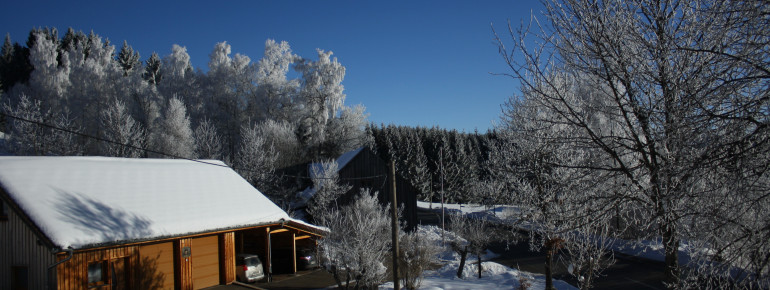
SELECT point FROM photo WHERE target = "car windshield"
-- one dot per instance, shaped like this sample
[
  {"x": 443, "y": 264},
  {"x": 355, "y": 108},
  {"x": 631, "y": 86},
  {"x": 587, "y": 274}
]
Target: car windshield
[{"x": 252, "y": 261}]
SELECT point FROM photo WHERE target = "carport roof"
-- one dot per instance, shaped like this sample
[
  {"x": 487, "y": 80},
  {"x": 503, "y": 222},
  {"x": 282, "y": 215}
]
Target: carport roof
[{"x": 83, "y": 202}]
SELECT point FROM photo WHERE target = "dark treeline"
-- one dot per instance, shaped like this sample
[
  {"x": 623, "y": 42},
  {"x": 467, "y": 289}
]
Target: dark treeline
[{"x": 428, "y": 156}]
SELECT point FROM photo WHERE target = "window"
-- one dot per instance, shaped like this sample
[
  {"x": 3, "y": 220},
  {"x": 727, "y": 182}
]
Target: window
[
  {"x": 97, "y": 274},
  {"x": 19, "y": 278}
]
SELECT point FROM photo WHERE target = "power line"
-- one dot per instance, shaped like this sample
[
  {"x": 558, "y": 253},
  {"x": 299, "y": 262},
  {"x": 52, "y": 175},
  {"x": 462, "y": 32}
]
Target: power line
[
  {"x": 108, "y": 141},
  {"x": 164, "y": 153}
]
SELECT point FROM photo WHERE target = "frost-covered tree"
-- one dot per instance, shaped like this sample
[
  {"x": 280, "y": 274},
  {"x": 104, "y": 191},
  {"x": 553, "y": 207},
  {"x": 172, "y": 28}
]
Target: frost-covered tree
[
  {"x": 118, "y": 126},
  {"x": 255, "y": 158},
  {"x": 207, "y": 142},
  {"x": 175, "y": 136},
  {"x": 528, "y": 158},
  {"x": 27, "y": 135},
  {"x": 328, "y": 190},
  {"x": 49, "y": 80},
  {"x": 284, "y": 138},
  {"x": 276, "y": 96},
  {"x": 323, "y": 97},
  {"x": 357, "y": 243},
  {"x": 346, "y": 132},
  {"x": 683, "y": 84},
  {"x": 179, "y": 79},
  {"x": 476, "y": 235},
  {"x": 228, "y": 84},
  {"x": 95, "y": 79},
  {"x": 588, "y": 253},
  {"x": 152, "y": 72},
  {"x": 128, "y": 59}
]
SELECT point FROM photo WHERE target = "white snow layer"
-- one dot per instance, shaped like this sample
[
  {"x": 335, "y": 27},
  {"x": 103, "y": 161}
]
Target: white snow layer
[
  {"x": 494, "y": 275},
  {"x": 85, "y": 201}
]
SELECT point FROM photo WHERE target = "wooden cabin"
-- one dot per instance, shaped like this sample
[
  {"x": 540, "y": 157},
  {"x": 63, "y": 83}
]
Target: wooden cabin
[
  {"x": 117, "y": 223},
  {"x": 362, "y": 168}
]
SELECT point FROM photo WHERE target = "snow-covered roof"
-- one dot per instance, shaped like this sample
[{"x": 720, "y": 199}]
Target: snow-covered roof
[
  {"x": 341, "y": 161},
  {"x": 87, "y": 201}
]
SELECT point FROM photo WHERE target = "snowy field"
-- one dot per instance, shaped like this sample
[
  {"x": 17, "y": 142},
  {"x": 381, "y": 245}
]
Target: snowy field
[
  {"x": 494, "y": 275},
  {"x": 651, "y": 250}
]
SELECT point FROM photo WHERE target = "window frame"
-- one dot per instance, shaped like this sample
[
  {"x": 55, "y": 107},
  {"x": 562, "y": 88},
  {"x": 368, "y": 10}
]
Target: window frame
[{"x": 105, "y": 273}]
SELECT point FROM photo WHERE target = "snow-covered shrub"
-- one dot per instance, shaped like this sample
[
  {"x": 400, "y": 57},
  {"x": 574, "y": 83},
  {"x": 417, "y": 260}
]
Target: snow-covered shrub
[
  {"x": 358, "y": 240},
  {"x": 415, "y": 255}
]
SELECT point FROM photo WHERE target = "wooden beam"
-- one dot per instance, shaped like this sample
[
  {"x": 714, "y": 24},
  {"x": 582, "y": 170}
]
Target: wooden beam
[
  {"x": 226, "y": 258},
  {"x": 279, "y": 231},
  {"x": 302, "y": 237},
  {"x": 267, "y": 257},
  {"x": 294, "y": 251}
]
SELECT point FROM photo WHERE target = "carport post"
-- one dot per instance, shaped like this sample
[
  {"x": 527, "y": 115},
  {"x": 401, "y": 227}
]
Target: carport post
[{"x": 269, "y": 256}]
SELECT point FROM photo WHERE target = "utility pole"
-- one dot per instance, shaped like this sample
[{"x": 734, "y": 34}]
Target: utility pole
[
  {"x": 441, "y": 164},
  {"x": 394, "y": 224}
]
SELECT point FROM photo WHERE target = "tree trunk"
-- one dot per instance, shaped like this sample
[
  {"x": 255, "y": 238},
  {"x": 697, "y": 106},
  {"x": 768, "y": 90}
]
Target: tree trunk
[
  {"x": 671, "y": 247},
  {"x": 479, "y": 258},
  {"x": 550, "y": 247},
  {"x": 463, "y": 254}
]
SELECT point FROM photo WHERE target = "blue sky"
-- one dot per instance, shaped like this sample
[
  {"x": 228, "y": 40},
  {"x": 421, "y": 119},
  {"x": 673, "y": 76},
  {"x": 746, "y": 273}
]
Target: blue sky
[{"x": 414, "y": 63}]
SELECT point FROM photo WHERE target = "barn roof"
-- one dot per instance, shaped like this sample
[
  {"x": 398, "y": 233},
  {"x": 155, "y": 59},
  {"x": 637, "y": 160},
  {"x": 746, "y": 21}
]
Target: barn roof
[
  {"x": 82, "y": 202},
  {"x": 317, "y": 168}
]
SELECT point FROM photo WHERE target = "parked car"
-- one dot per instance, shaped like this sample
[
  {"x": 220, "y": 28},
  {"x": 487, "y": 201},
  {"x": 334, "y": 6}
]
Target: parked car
[
  {"x": 248, "y": 268},
  {"x": 306, "y": 259}
]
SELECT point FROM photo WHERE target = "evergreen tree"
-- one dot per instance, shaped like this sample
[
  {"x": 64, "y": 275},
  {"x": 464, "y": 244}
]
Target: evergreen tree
[
  {"x": 176, "y": 136},
  {"x": 128, "y": 58},
  {"x": 118, "y": 126},
  {"x": 6, "y": 64},
  {"x": 152, "y": 71}
]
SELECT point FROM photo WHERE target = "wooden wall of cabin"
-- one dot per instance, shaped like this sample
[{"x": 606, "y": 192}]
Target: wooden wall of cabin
[
  {"x": 116, "y": 266},
  {"x": 23, "y": 259}
]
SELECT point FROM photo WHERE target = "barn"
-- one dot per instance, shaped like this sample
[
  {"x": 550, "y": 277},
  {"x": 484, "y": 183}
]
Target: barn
[
  {"x": 362, "y": 168},
  {"x": 119, "y": 223}
]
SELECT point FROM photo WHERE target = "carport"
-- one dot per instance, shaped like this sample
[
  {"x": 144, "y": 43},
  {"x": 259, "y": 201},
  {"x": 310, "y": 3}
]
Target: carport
[{"x": 277, "y": 245}]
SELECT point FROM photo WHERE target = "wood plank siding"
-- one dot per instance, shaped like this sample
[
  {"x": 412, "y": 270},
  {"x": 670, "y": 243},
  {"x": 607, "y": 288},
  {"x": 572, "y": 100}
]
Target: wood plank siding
[
  {"x": 21, "y": 254},
  {"x": 117, "y": 268}
]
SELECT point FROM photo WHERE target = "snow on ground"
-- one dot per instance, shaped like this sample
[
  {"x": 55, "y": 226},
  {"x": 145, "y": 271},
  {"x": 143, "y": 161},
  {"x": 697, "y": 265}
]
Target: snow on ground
[
  {"x": 498, "y": 213},
  {"x": 646, "y": 249},
  {"x": 494, "y": 275}
]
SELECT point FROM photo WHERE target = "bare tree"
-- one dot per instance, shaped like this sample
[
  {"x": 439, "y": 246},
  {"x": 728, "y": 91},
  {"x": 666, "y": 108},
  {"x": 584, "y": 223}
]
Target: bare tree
[
  {"x": 477, "y": 235},
  {"x": 682, "y": 84}
]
